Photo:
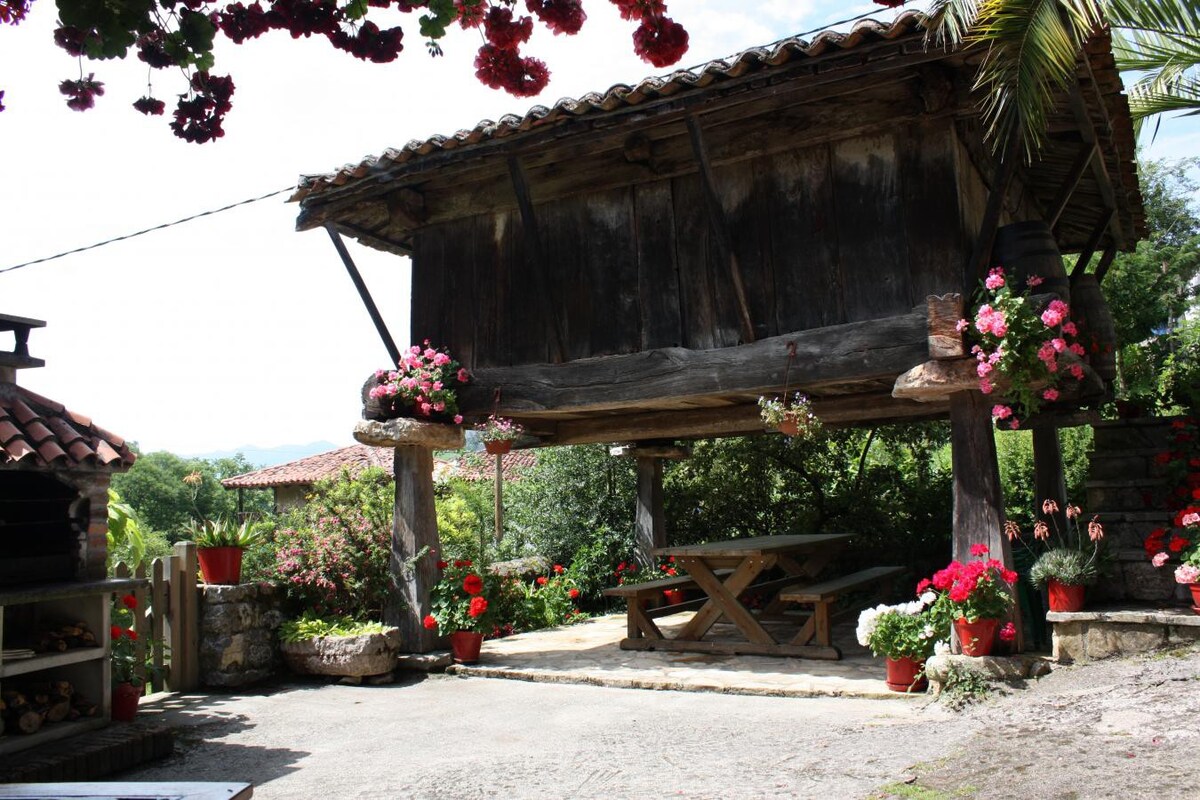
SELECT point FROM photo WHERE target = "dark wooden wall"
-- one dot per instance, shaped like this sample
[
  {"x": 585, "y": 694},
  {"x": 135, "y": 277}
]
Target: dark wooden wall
[{"x": 842, "y": 231}]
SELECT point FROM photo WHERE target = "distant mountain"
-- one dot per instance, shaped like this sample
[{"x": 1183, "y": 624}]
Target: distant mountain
[{"x": 270, "y": 456}]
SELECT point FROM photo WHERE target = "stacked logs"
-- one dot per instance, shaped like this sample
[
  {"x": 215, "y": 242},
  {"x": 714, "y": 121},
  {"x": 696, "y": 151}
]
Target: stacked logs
[
  {"x": 25, "y": 709},
  {"x": 64, "y": 637}
]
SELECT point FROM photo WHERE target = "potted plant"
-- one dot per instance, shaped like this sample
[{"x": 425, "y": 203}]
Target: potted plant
[
  {"x": 791, "y": 419},
  {"x": 219, "y": 546},
  {"x": 974, "y": 597},
  {"x": 1018, "y": 347},
  {"x": 905, "y": 635},
  {"x": 423, "y": 386},
  {"x": 1184, "y": 542},
  {"x": 128, "y": 664},
  {"x": 498, "y": 434},
  {"x": 1070, "y": 561},
  {"x": 343, "y": 646},
  {"x": 461, "y": 609}
]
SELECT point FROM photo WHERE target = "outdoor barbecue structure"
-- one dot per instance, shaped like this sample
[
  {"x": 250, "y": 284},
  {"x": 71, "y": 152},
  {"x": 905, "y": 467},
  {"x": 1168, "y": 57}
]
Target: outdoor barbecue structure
[{"x": 636, "y": 266}]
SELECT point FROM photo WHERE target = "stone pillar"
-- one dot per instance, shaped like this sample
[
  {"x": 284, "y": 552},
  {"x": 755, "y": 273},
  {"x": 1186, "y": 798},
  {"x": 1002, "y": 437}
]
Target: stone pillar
[
  {"x": 1048, "y": 479},
  {"x": 414, "y": 521}
]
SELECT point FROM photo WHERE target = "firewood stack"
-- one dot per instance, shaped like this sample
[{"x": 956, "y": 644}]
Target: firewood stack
[
  {"x": 25, "y": 709},
  {"x": 64, "y": 637}
]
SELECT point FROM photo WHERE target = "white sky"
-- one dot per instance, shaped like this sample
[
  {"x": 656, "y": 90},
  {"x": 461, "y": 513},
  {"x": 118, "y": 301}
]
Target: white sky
[{"x": 235, "y": 330}]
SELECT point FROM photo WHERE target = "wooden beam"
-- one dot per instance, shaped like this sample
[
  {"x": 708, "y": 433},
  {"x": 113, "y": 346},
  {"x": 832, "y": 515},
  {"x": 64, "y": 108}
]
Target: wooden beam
[
  {"x": 672, "y": 452},
  {"x": 1048, "y": 479},
  {"x": 363, "y": 292},
  {"x": 1085, "y": 255},
  {"x": 719, "y": 226},
  {"x": 1082, "y": 161},
  {"x": 738, "y": 420},
  {"x": 872, "y": 349},
  {"x": 945, "y": 340},
  {"x": 1099, "y": 169},
  {"x": 650, "y": 520},
  {"x": 535, "y": 258},
  {"x": 1106, "y": 261},
  {"x": 976, "y": 268}
]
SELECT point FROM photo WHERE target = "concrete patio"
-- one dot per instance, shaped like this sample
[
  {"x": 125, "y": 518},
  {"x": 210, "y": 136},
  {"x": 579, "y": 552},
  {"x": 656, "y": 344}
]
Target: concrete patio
[{"x": 587, "y": 653}]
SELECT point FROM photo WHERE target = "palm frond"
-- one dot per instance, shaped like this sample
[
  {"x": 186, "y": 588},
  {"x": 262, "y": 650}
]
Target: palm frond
[
  {"x": 1148, "y": 98},
  {"x": 1161, "y": 38},
  {"x": 1032, "y": 46},
  {"x": 949, "y": 22}
]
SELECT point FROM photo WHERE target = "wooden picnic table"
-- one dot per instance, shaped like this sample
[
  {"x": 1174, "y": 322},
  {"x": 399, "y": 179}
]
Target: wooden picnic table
[{"x": 725, "y": 570}]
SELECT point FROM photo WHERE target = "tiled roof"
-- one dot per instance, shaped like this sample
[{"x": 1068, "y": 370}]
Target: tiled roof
[
  {"x": 307, "y": 471},
  {"x": 622, "y": 96},
  {"x": 38, "y": 432},
  {"x": 482, "y": 467}
]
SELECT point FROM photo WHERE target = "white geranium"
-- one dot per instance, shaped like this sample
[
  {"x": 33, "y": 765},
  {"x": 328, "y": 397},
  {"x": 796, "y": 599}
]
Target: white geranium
[{"x": 928, "y": 597}]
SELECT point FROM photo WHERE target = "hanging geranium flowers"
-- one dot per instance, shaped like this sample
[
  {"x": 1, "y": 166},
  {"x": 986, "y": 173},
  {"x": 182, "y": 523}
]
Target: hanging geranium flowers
[{"x": 423, "y": 385}]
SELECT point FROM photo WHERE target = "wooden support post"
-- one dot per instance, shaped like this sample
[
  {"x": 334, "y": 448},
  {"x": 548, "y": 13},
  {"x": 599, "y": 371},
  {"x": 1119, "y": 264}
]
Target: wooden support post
[
  {"x": 184, "y": 621},
  {"x": 381, "y": 327},
  {"x": 976, "y": 268},
  {"x": 978, "y": 497},
  {"x": 498, "y": 493},
  {"x": 1093, "y": 242},
  {"x": 414, "y": 527},
  {"x": 1048, "y": 479},
  {"x": 651, "y": 518},
  {"x": 945, "y": 340}
]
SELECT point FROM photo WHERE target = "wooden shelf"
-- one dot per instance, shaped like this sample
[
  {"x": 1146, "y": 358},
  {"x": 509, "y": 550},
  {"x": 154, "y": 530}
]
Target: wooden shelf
[
  {"x": 51, "y": 731},
  {"x": 50, "y": 661},
  {"x": 37, "y": 593}
]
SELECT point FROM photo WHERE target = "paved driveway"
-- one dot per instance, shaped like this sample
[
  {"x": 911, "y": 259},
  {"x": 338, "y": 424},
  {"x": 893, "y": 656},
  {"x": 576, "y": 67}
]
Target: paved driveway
[{"x": 443, "y": 736}]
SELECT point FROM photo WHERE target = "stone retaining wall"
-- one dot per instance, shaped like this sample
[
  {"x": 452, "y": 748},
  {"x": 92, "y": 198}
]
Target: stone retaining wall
[
  {"x": 1093, "y": 635},
  {"x": 239, "y": 644}
]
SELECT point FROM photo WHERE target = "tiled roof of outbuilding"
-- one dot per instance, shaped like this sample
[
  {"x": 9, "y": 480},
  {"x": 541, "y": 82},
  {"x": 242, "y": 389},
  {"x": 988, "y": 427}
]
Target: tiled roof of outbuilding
[
  {"x": 36, "y": 431},
  {"x": 307, "y": 471}
]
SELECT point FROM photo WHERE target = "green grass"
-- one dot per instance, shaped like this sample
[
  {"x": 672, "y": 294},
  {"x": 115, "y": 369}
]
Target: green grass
[{"x": 915, "y": 791}]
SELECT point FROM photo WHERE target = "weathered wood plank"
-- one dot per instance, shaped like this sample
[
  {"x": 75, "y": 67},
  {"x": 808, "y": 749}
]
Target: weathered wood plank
[
  {"x": 692, "y": 246},
  {"x": 871, "y": 237},
  {"x": 658, "y": 271},
  {"x": 804, "y": 241},
  {"x": 610, "y": 260},
  {"x": 855, "y": 351},
  {"x": 945, "y": 312},
  {"x": 746, "y": 200},
  {"x": 492, "y": 275},
  {"x": 429, "y": 270},
  {"x": 566, "y": 239},
  {"x": 535, "y": 260},
  {"x": 936, "y": 244}
]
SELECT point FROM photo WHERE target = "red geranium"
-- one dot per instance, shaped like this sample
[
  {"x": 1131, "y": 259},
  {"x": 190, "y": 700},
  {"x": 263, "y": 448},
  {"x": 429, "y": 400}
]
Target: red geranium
[
  {"x": 129, "y": 601},
  {"x": 429, "y": 622},
  {"x": 472, "y": 584},
  {"x": 542, "y": 580},
  {"x": 573, "y": 594},
  {"x": 478, "y": 607}
]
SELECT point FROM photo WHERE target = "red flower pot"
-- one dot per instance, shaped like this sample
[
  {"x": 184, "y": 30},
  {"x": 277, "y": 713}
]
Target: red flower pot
[
  {"x": 902, "y": 675},
  {"x": 498, "y": 447},
  {"x": 976, "y": 638},
  {"x": 788, "y": 427},
  {"x": 465, "y": 646},
  {"x": 125, "y": 698},
  {"x": 220, "y": 565},
  {"x": 1195, "y": 589},
  {"x": 1064, "y": 596},
  {"x": 673, "y": 596}
]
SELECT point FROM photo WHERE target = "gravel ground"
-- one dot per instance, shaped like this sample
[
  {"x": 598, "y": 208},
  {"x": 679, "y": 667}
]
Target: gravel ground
[{"x": 1115, "y": 729}]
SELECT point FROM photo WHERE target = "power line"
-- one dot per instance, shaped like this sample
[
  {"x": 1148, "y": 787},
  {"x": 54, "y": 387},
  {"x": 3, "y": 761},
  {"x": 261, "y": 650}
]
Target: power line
[{"x": 149, "y": 230}]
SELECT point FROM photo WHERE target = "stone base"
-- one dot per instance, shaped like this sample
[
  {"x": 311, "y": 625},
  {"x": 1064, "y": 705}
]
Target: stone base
[
  {"x": 997, "y": 669},
  {"x": 238, "y": 624},
  {"x": 405, "y": 432},
  {"x": 354, "y": 656},
  {"x": 436, "y": 661},
  {"x": 1092, "y": 635}
]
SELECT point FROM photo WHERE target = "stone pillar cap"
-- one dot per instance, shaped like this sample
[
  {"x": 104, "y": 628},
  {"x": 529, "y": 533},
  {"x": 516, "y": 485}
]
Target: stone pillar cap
[{"x": 406, "y": 432}]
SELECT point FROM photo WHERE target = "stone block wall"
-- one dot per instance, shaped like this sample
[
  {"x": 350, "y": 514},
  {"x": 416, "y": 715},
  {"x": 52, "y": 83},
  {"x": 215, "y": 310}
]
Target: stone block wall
[
  {"x": 1092, "y": 635},
  {"x": 1126, "y": 487},
  {"x": 239, "y": 643}
]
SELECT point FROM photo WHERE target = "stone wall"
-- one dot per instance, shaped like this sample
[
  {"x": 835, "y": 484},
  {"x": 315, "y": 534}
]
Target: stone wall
[
  {"x": 1126, "y": 487},
  {"x": 239, "y": 642},
  {"x": 1092, "y": 635}
]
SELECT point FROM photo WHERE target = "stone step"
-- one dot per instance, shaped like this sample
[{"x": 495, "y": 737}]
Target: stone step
[
  {"x": 1110, "y": 438},
  {"x": 1103, "y": 633}
]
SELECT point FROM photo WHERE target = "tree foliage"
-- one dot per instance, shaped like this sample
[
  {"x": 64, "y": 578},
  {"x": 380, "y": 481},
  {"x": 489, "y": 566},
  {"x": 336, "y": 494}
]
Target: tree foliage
[
  {"x": 156, "y": 488},
  {"x": 181, "y": 34}
]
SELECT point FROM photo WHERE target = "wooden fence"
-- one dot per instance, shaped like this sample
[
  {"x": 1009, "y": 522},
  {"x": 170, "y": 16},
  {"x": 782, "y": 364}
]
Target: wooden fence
[{"x": 167, "y": 620}]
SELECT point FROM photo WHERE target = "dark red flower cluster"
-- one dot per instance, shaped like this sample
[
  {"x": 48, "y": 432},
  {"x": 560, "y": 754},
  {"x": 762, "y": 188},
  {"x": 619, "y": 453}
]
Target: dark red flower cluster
[
  {"x": 82, "y": 93},
  {"x": 370, "y": 43},
  {"x": 505, "y": 32},
  {"x": 241, "y": 22},
  {"x": 660, "y": 41},
  {"x": 1, "y": 99},
  {"x": 961, "y": 580},
  {"x": 199, "y": 118},
  {"x": 470, "y": 15},
  {"x": 71, "y": 39},
  {"x": 507, "y": 70},
  {"x": 13, "y": 11},
  {"x": 890, "y": 3},
  {"x": 472, "y": 584},
  {"x": 150, "y": 106},
  {"x": 640, "y": 10},
  {"x": 560, "y": 16},
  {"x": 477, "y": 608}
]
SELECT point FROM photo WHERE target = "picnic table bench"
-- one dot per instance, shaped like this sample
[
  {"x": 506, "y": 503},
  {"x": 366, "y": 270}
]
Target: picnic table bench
[{"x": 728, "y": 572}]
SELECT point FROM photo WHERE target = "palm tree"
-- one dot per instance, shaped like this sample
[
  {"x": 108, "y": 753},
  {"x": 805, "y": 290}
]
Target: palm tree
[{"x": 1031, "y": 47}]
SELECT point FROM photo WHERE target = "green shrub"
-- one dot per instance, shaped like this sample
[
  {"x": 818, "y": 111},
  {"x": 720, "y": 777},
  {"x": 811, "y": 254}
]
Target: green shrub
[{"x": 310, "y": 626}]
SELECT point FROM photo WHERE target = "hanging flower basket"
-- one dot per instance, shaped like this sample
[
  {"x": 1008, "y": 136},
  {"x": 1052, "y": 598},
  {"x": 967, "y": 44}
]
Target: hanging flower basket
[
  {"x": 423, "y": 385},
  {"x": 794, "y": 418}
]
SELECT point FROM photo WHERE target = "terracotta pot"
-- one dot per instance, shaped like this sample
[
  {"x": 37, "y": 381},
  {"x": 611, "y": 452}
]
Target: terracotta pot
[
  {"x": 1195, "y": 589},
  {"x": 902, "y": 675},
  {"x": 125, "y": 697},
  {"x": 674, "y": 596},
  {"x": 498, "y": 447},
  {"x": 220, "y": 565},
  {"x": 465, "y": 646},
  {"x": 1065, "y": 596},
  {"x": 976, "y": 638},
  {"x": 788, "y": 427}
]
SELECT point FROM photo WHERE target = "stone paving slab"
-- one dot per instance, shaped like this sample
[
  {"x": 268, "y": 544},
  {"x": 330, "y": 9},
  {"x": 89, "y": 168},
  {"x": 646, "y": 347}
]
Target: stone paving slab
[{"x": 587, "y": 653}]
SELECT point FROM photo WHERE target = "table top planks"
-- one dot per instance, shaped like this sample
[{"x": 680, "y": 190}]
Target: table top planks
[
  {"x": 756, "y": 546},
  {"x": 102, "y": 790}
]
